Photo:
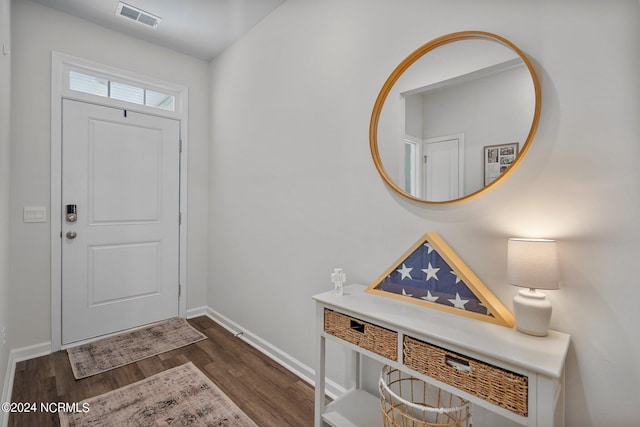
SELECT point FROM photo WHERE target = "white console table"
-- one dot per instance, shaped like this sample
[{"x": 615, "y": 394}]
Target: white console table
[{"x": 537, "y": 361}]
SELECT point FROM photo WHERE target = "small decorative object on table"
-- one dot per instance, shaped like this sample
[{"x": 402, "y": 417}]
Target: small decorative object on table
[{"x": 338, "y": 278}]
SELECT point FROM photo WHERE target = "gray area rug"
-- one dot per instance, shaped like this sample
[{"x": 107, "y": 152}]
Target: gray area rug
[
  {"x": 179, "y": 396},
  {"x": 128, "y": 347}
]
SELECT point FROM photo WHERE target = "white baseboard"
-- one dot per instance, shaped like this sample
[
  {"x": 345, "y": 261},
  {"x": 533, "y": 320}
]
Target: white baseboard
[
  {"x": 197, "y": 312},
  {"x": 287, "y": 361},
  {"x": 18, "y": 355}
]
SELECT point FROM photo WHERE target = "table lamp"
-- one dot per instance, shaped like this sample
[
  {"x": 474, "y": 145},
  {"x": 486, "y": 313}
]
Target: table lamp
[{"x": 532, "y": 264}]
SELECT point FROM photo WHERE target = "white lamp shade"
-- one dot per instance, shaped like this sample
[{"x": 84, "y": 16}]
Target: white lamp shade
[{"x": 532, "y": 263}]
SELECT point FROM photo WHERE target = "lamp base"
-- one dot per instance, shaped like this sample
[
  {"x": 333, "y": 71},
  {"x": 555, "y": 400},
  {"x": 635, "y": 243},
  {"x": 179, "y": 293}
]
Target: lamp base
[{"x": 532, "y": 311}]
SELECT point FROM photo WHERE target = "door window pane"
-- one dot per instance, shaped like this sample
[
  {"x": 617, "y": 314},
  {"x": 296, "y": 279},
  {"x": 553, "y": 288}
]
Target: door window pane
[
  {"x": 160, "y": 100},
  {"x": 128, "y": 93},
  {"x": 88, "y": 84}
]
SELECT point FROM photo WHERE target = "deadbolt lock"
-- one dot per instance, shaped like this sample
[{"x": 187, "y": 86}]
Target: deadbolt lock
[{"x": 72, "y": 213}]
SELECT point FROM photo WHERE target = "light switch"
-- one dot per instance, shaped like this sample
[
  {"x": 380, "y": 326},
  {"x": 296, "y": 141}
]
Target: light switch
[{"x": 35, "y": 214}]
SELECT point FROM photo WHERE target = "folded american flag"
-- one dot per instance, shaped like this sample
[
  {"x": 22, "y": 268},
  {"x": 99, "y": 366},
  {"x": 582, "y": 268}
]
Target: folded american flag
[{"x": 426, "y": 275}]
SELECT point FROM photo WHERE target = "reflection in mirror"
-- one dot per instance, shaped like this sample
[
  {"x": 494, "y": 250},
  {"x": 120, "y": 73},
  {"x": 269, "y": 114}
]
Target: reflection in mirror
[{"x": 454, "y": 116}]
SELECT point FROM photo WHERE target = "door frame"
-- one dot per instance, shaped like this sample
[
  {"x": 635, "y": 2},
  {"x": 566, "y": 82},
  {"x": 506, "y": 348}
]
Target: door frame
[{"x": 61, "y": 64}]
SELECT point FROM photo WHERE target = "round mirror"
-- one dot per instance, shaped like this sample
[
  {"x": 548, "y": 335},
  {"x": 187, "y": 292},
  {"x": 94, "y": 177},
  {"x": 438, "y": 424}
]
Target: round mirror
[{"x": 455, "y": 117}]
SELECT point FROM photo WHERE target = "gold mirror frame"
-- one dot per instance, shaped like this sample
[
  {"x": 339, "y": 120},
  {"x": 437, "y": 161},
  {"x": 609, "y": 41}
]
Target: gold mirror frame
[{"x": 410, "y": 60}]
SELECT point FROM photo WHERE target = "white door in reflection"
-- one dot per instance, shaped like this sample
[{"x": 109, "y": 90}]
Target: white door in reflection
[
  {"x": 434, "y": 167},
  {"x": 443, "y": 168}
]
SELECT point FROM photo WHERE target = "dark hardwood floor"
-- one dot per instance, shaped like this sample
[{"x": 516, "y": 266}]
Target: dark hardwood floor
[{"x": 264, "y": 390}]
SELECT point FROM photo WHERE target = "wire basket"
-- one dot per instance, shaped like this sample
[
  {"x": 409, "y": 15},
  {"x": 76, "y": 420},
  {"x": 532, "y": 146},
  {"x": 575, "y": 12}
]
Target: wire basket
[{"x": 410, "y": 402}]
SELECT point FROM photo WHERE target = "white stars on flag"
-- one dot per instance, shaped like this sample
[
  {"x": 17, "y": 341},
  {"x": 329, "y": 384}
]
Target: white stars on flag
[
  {"x": 457, "y": 278},
  {"x": 431, "y": 272},
  {"x": 459, "y": 302},
  {"x": 405, "y": 272},
  {"x": 429, "y": 297}
]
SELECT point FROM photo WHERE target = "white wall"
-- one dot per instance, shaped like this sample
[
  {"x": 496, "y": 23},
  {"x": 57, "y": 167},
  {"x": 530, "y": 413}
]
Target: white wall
[
  {"x": 37, "y": 30},
  {"x": 294, "y": 193},
  {"x": 5, "y": 93}
]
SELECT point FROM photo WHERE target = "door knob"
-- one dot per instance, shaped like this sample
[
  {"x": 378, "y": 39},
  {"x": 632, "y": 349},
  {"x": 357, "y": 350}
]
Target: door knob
[{"x": 71, "y": 234}]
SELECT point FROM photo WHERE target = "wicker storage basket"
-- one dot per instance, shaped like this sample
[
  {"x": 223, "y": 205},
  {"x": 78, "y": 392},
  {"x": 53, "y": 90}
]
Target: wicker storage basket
[
  {"x": 409, "y": 402},
  {"x": 370, "y": 337},
  {"x": 496, "y": 385}
]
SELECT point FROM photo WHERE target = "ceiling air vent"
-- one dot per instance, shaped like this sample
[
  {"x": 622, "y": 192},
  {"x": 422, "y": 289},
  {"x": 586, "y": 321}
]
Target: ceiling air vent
[{"x": 137, "y": 15}]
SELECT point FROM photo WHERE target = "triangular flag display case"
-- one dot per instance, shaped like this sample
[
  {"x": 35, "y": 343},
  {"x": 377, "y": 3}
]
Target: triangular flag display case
[{"x": 429, "y": 273}]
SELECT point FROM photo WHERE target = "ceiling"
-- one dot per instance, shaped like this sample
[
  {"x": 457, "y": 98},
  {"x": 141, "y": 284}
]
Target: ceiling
[{"x": 200, "y": 28}]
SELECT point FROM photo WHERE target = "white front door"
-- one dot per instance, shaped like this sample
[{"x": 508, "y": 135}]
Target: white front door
[{"x": 120, "y": 252}]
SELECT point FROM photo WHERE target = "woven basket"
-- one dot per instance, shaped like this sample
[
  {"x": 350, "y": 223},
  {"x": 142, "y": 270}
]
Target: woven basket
[
  {"x": 495, "y": 385},
  {"x": 363, "y": 334},
  {"x": 409, "y": 402}
]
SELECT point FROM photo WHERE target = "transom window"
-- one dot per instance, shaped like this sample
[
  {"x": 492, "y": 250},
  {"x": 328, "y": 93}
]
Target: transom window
[{"x": 100, "y": 86}]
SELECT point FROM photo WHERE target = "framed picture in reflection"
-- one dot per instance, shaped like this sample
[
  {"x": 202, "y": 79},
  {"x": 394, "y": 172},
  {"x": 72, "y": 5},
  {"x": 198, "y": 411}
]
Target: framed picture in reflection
[{"x": 497, "y": 159}]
